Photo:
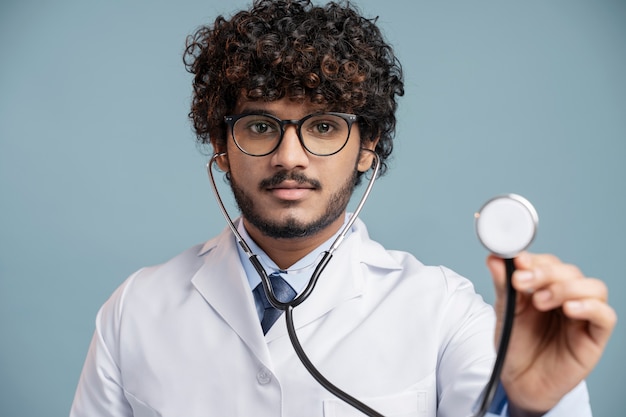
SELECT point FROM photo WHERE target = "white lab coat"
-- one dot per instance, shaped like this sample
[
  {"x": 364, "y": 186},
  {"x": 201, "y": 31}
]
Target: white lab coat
[{"x": 183, "y": 339}]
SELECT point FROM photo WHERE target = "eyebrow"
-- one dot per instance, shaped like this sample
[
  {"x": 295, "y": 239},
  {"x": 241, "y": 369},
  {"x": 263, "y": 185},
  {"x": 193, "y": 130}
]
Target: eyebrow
[
  {"x": 260, "y": 110},
  {"x": 256, "y": 110}
]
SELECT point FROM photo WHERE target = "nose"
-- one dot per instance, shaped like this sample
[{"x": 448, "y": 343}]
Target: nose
[{"x": 290, "y": 153}]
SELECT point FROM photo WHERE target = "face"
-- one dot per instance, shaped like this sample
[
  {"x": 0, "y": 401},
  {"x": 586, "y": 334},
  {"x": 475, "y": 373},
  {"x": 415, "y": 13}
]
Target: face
[{"x": 291, "y": 193}]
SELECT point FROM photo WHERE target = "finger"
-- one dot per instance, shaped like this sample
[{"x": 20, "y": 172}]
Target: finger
[
  {"x": 556, "y": 294},
  {"x": 543, "y": 274},
  {"x": 600, "y": 316},
  {"x": 524, "y": 261},
  {"x": 497, "y": 266},
  {"x": 527, "y": 260}
]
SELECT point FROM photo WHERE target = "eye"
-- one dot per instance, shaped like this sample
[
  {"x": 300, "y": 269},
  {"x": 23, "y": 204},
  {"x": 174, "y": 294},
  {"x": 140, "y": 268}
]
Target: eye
[
  {"x": 323, "y": 128},
  {"x": 326, "y": 126},
  {"x": 255, "y": 125},
  {"x": 260, "y": 127}
]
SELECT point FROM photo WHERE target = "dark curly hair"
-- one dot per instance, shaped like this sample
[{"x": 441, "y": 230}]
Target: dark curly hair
[{"x": 330, "y": 55}]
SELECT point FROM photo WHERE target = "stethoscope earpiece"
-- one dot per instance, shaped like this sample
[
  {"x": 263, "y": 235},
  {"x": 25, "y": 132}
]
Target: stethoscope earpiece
[{"x": 506, "y": 225}]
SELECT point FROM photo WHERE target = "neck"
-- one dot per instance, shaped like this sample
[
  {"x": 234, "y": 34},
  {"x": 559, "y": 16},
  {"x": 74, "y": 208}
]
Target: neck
[{"x": 287, "y": 251}]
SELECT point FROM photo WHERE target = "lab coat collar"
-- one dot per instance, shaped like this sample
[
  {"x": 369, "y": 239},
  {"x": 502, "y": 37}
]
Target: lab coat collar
[
  {"x": 381, "y": 259},
  {"x": 222, "y": 282},
  {"x": 343, "y": 279}
]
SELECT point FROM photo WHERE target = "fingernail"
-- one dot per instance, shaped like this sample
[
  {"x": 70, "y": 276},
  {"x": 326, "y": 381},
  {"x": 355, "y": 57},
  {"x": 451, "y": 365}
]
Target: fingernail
[
  {"x": 575, "y": 305},
  {"x": 524, "y": 276}
]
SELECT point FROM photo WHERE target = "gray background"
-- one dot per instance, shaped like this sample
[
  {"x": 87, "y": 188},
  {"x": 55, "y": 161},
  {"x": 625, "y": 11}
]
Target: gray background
[{"x": 99, "y": 173}]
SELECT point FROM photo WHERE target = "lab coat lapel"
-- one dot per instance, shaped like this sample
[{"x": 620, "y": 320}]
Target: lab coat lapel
[
  {"x": 222, "y": 282},
  {"x": 342, "y": 279},
  {"x": 338, "y": 283}
]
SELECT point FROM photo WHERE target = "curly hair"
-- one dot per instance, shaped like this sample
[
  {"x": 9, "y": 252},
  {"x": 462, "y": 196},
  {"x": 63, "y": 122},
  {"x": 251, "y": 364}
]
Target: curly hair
[{"x": 329, "y": 55}]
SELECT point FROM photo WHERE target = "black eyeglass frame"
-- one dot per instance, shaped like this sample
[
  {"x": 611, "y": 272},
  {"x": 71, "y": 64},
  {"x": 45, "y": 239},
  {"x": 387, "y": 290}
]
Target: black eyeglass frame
[{"x": 350, "y": 119}]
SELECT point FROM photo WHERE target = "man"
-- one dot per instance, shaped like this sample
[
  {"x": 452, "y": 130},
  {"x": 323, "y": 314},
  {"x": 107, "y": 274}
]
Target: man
[{"x": 296, "y": 100}]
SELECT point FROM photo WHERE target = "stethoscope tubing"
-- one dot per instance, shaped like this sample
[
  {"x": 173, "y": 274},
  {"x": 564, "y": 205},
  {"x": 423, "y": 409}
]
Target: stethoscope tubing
[
  {"x": 288, "y": 307},
  {"x": 318, "y": 376},
  {"x": 505, "y": 337}
]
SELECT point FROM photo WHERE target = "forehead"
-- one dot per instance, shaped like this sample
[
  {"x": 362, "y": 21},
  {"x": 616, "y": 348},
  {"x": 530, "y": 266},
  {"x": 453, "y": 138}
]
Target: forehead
[{"x": 284, "y": 107}]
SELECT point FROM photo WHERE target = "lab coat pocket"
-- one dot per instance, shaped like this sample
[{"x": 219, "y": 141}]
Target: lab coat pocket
[
  {"x": 407, "y": 404},
  {"x": 140, "y": 409}
]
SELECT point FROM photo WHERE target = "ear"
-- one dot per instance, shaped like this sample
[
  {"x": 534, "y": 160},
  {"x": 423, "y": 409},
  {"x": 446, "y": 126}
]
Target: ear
[
  {"x": 366, "y": 157},
  {"x": 222, "y": 161}
]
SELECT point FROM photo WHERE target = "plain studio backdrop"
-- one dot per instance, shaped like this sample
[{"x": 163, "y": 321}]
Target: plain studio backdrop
[{"x": 100, "y": 175}]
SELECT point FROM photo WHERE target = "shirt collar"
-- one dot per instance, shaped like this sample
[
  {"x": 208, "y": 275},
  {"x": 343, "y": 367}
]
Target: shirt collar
[{"x": 298, "y": 274}]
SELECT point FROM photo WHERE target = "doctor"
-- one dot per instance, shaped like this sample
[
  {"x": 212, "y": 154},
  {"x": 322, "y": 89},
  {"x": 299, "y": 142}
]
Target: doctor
[{"x": 296, "y": 97}]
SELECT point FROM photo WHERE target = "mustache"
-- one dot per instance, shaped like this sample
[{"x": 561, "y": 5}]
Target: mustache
[{"x": 281, "y": 176}]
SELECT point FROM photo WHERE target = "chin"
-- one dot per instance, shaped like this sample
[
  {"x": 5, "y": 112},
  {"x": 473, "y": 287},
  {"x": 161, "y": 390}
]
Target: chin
[{"x": 290, "y": 227}]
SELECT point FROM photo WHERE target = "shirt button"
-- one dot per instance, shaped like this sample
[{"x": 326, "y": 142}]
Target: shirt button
[{"x": 264, "y": 376}]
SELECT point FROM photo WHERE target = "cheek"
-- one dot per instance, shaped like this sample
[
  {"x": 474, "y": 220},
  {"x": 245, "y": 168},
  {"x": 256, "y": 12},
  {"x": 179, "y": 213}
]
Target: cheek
[
  {"x": 248, "y": 170},
  {"x": 236, "y": 159},
  {"x": 336, "y": 172}
]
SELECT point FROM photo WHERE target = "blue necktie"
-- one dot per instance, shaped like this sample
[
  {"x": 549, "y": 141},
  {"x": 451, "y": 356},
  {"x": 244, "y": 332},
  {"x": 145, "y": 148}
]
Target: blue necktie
[{"x": 282, "y": 291}]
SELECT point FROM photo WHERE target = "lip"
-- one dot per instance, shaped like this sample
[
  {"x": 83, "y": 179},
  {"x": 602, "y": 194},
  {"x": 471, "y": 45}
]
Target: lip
[{"x": 291, "y": 190}]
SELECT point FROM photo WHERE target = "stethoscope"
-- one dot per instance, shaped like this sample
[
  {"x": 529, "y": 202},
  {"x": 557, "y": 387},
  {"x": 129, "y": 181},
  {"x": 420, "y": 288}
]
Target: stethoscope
[
  {"x": 506, "y": 225},
  {"x": 494, "y": 222}
]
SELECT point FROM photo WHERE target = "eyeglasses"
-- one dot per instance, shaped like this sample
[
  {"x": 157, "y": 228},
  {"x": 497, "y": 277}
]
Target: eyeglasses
[{"x": 321, "y": 134}]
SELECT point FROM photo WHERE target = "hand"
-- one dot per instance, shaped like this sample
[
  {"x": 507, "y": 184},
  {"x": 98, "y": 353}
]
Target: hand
[{"x": 562, "y": 325}]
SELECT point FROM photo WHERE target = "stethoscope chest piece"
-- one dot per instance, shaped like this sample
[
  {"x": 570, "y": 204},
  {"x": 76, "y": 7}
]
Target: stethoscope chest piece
[{"x": 506, "y": 225}]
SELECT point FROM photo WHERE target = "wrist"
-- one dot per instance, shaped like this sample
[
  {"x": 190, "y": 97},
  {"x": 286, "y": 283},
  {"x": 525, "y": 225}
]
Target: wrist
[
  {"x": 515, "y": 411},
  {"x": 528, "y": 401}
]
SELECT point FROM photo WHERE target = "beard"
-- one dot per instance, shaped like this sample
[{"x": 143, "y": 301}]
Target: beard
[{"x": 290, "y": 227}]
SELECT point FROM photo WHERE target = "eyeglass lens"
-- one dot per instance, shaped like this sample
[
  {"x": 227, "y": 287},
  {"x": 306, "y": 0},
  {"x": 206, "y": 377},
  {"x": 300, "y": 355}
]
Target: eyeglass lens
[{"x": 322, "y": 134}]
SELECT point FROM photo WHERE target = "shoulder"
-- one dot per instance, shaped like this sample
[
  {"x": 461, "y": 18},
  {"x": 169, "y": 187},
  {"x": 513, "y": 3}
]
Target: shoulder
[
  {"x": 153, "y": 280},
  {"x": 403, "y": 265},
  {"x": 165, "y": 282},
  {"x": 178, "y": 269}
]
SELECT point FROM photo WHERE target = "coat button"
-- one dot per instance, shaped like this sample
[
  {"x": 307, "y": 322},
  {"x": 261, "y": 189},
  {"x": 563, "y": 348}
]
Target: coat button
[{"x": 264, "y": 376}]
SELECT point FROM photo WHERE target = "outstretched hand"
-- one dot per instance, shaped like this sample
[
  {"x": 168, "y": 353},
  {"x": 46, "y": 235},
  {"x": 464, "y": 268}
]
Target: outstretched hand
[{"x": 562, "y": 325}]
